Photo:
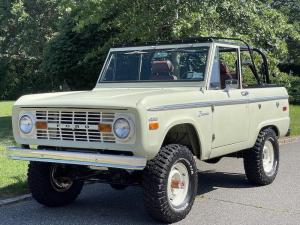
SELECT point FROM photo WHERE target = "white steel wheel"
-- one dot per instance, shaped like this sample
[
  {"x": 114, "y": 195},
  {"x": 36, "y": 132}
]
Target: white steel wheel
[
  {"x": 170, "y": 183},
  {"x": 261, "y": 162},
  {"x": 178, "y": 185},
  {"x": 51, "y": 185},
  {"x": 268, "y": 156}
]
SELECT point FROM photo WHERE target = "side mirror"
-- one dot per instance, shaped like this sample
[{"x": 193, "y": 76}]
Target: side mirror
[{"x": 231, "y": 84}]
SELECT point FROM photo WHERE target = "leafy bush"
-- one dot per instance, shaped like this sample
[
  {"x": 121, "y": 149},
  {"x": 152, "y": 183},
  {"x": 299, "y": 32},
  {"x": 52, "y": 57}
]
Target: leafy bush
[
  {"x": 291, "y": 83},
  {"x": 19, "y": 77},
  {"x": 73, "y": 57}
]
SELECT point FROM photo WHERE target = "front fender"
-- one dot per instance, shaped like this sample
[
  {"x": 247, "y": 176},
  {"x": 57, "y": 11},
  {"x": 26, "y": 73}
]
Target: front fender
[{"x": 168, "y": 119}]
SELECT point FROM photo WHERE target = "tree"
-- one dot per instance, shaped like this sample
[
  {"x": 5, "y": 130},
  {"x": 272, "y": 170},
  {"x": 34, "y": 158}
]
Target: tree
[
  {"x": 73, "y": 57},
  {"x": 291, "y": 8},
  {"x": 25, "y": 28},
  {"x": 51, "y": 42},
  {"x": 141, "y": 20}
]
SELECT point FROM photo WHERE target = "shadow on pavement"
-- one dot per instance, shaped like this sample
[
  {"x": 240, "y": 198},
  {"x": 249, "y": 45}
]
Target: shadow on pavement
[
  {"x": 211, "y": 180},
  {"x": 17, "y": 187},
  {"x": 99, "y": 204}
]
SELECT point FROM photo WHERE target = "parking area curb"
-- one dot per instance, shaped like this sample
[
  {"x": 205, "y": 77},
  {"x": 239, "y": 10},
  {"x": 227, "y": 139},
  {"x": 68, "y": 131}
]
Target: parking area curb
[
  {"x": 13, "y": 200},
  {"x": 289, "y": 140}
]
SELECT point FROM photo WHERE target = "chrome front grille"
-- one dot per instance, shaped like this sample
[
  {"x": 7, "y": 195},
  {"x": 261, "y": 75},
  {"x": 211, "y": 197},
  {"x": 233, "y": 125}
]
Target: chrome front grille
[{"x": 74, "y": 125}]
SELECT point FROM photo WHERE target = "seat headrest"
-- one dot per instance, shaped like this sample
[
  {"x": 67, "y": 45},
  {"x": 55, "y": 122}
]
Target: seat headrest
[
  {"x": 162, "y": 66},
  {"x": 224, "y": 70}
]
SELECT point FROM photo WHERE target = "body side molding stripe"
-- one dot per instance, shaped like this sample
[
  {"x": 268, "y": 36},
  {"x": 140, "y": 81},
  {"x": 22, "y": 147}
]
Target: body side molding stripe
[{"x": 214, "y": 103}]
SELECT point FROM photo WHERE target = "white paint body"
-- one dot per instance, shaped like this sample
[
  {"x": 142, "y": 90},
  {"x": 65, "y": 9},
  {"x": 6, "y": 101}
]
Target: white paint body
[{"x": 232, "y": 118}]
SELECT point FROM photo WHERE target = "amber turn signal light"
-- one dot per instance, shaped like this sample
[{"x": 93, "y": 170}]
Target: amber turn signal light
[
  {"x": 41, "y": 125},
  {"x": 102, "y": 127},
  {"x": 153, "y": 125}
]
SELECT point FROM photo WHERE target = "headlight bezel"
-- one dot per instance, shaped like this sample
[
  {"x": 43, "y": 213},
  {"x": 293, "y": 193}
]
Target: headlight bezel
[
  {"x": 31, "y": 117},
  {"x": 130, "y": 122}
]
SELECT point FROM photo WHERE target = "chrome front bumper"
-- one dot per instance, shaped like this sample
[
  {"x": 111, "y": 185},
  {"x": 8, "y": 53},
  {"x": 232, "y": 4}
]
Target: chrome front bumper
[{"x": 78, "y": 158}]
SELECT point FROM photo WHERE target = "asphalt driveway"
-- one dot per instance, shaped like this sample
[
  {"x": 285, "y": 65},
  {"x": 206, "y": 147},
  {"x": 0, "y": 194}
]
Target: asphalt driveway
[{"x": 224, "y": 197}]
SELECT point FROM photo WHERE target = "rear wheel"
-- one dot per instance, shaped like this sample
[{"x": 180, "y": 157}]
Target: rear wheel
[
  {"x": 261, "y": 163},
  {"x": 170, "y": 183},
  {"x": 52, "y": 184}
]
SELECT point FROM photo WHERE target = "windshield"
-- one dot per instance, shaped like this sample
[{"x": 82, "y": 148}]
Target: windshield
[{"x": 178, "y": 64}]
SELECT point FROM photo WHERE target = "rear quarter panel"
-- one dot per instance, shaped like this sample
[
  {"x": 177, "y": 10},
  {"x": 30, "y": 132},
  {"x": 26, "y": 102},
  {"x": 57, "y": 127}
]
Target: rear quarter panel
[{"x": 264, "y": 112}]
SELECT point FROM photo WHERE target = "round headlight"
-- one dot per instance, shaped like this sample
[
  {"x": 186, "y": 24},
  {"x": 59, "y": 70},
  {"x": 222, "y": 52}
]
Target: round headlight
[
  {"x": 26, "y": 124},
  {"x": 121, "y": 128}
]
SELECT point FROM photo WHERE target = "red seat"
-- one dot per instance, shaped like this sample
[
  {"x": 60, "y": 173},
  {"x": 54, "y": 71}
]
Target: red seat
[
  {"x": 162, "y": 70},
  {"x": 224, "y": 74}
]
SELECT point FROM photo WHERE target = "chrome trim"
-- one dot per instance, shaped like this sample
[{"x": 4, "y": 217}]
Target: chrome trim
[
  {"x": 162, "y": 46},
  {"x": 210, "y": 59},
  {"x": 214, "y": 103},
  {"x": 265, "y": 99},
  {"x": 78, "y": 158},
  {"x": 74, "y": 125}
]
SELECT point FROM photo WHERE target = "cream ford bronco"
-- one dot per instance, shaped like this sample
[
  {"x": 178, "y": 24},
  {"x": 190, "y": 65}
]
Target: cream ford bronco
[{"x": 156, "y": 110}]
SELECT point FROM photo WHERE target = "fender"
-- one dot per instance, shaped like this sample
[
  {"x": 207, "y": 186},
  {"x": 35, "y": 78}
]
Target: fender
[
  {"x": 174, "y": 122},
  {"x": 277, "y": 123}
]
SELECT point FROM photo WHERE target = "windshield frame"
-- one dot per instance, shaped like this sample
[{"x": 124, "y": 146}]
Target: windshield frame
[{"x": 156, "y": 83}]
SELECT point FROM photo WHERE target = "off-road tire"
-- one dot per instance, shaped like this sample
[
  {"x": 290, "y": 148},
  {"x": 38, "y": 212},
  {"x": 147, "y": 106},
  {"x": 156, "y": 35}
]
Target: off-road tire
[
  {"x": 253, "y": 159},
  {"x": 155, "y": 182},
  {"x": 42, "y": 189}
]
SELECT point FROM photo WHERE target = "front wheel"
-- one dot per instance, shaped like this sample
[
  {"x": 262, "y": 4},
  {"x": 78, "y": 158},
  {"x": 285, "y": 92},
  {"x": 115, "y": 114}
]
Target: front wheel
[
  {"x": 261, "y": 162},
  {"x": 170, "y": 183},
  {"x": 52, "y": 184}
]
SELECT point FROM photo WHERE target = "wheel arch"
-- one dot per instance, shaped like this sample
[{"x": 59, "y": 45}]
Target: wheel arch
[
  {"x": 185, "y": 134},
  {"x": 273, "y": 124},
  {"x": 263, "y": 127},
  {"x": 273, "y": 127}
]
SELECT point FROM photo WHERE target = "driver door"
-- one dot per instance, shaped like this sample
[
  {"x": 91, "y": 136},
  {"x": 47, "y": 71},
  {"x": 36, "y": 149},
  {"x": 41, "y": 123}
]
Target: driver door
[{"x": 230, "y": 102}]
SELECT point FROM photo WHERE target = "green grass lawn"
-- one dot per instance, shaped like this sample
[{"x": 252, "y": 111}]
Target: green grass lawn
[
  {"x": 295, "y": 119},
  {"x": 13, "y": 173}
]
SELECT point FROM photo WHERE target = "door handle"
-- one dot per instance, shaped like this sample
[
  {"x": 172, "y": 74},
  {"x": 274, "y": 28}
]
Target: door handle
[{"x": 244, "y": 93}]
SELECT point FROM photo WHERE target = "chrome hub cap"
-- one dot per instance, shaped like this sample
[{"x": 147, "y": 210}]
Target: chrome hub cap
[
  {"x": 178, "y": 184},
  {"x": 59, "y": 181},
  {"x": 268, "y": 156}
]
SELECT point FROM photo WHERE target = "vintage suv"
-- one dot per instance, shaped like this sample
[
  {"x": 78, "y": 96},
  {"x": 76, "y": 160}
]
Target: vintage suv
[{"x": 156, "y": 110}]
